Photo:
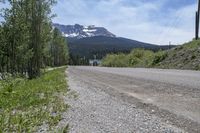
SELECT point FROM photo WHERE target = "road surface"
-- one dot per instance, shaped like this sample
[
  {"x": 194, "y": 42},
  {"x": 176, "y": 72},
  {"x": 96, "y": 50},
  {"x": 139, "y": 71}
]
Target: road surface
[{"x": 134, "y": 100}]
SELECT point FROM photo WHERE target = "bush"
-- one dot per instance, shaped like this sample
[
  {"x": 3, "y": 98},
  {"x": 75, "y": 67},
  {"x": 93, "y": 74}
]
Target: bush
[
  {"x": 136, "y": 58},
  {"x": 115, "y": 60},
  {"x": 144, "y": 57},
  {"x": 158, "y": 57}
]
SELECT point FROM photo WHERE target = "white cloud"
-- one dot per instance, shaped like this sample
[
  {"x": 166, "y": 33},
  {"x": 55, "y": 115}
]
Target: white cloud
[{"x": 138, "y": 20}]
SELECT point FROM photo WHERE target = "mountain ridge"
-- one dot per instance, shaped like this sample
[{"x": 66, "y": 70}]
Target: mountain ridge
[
  {"x": 101, "y": 45},
  {"x": 79, "y": 31}
]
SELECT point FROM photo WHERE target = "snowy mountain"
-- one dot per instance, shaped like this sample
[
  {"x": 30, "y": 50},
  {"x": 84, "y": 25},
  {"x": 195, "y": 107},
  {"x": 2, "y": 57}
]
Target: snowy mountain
[{"x": 79, "y": 31}]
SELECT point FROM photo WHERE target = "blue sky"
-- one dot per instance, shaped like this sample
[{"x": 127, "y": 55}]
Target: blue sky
[{"x": 153, "y": 21}]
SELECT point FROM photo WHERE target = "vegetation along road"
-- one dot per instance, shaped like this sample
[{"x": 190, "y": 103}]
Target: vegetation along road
[{"x": 133, "y": 100}]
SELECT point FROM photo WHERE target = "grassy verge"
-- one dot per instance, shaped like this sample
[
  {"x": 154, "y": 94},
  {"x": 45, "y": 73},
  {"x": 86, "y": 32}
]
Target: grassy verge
[
  {"x": 185, "y": 56},
  {"x": 27, "y": 104}
]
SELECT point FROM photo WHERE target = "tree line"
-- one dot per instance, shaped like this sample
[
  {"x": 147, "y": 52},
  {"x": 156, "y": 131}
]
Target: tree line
[{"x": 28, "y": 42}]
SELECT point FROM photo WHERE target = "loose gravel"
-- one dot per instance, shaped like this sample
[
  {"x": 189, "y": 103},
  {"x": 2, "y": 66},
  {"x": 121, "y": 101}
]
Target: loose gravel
[{"x": 94, "y": 111}]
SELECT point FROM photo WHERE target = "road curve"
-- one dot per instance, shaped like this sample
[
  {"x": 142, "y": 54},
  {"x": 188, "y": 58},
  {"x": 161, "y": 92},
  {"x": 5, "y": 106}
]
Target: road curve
[{"x": 171, "y": 95}]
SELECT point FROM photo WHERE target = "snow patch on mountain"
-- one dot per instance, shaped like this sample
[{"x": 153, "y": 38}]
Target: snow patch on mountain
[
  {"x": 80, "y": 31},
  {"x": 71, "y": 35},
  {"x": 89, "y": 30}
]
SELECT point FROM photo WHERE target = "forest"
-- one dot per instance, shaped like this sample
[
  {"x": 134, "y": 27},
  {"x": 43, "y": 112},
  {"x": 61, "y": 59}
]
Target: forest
[{"x": 28, "y": 42}]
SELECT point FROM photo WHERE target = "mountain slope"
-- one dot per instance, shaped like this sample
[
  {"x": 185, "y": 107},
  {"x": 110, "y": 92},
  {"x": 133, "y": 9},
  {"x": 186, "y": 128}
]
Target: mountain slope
[
  {"x": 101, "y": 45},
  {"x": 79, "y": 31}
]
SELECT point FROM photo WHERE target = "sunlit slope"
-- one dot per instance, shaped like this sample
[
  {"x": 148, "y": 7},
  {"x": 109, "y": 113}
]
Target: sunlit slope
[{"x": 186, "y": 56}]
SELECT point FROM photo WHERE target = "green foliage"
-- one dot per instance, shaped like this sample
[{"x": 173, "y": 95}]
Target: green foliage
[
  {"x": 191, "y": 45},
  {"x": 185, "y": 56},
  {"x": 140, "y": 58},
  {"x": 158, "y": 57},
  {"x": 137, "y": 58},
  {"x": 58, "y": 50},
  {"x": 27, "y": 104},
  {"x": 65, "y": 129},
  {"x": 26, "y": 37},
  {"x": 113, "y": 60}
]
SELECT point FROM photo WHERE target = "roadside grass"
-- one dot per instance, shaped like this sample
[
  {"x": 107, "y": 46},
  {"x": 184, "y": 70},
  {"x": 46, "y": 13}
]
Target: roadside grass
[
  {"x": 192, "y": 45},
  {"x": 25, "y": 105},
  {"x": 185, "y": 56}
]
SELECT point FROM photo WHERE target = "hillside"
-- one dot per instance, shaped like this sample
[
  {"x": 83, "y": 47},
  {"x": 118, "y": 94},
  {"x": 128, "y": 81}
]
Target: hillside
[
  {"x": 186, "y": 56},
  {"x": 102, "y": 45}
]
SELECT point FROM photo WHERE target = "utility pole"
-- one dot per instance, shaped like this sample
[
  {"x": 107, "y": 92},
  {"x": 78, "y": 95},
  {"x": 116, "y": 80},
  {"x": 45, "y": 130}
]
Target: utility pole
[
  {"x": 197, "y": 21},
  {"x": 169, "y": 45}
]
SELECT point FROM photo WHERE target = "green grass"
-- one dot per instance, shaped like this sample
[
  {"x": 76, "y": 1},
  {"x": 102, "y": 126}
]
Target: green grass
[
  {"x": 192, "y": 45},
  {"x": 27, "y": 104},
  {"x": 185, "y": 56}
]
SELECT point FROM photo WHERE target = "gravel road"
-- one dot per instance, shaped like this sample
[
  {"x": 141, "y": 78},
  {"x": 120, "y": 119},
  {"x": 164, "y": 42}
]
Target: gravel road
[{"x": 126, "y": 100}]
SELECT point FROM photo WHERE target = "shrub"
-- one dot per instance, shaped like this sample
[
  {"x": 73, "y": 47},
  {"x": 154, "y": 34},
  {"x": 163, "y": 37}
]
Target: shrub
[
  {"x": 158, "y": 57},
  {"x": 137, "y": 58},
  {"x": 115, "y": 60},
  {"x": 140, "y": 58}
]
